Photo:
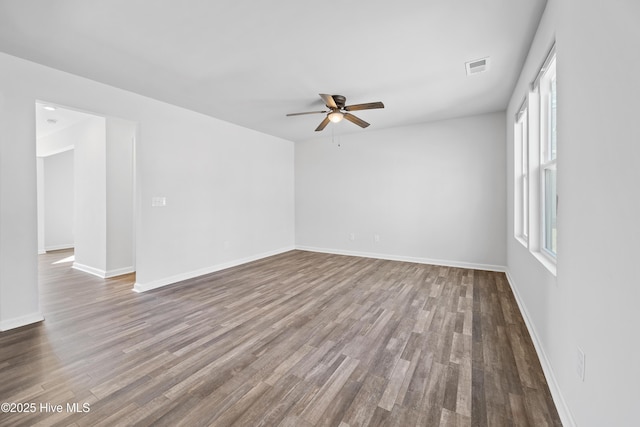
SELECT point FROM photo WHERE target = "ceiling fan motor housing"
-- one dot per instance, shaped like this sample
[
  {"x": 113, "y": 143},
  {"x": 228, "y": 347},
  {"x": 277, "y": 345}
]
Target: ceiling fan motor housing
[{"x": 339, "y": 100}]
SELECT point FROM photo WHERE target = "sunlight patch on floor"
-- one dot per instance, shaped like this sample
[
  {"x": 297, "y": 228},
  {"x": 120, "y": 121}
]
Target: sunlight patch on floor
[{"x": 67, "y": 259}]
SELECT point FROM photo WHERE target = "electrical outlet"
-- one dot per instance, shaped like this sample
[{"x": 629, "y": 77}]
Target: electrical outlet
[
  {"x": 580, "y": 359},
  {"x": 376, "y": 238},
  {"x": 352, "y": 236}
]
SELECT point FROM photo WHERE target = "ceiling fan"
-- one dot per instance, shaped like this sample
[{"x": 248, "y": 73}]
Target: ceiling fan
[{"x": 338, "y": 111}]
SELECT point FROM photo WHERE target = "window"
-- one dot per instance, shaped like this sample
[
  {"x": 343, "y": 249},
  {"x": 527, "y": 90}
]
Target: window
[
  {"x": 535, "y": 167},
  {"x": 521, "y": 185},
  {"x": 548, "y": 146}
]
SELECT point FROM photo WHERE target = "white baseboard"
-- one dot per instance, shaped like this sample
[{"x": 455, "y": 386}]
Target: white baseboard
[
  {"x": 103, "y": 274},
  {"x": 18, "y": 322},
  {"x": 59, "y": 247},
  {"x": 119, "y": 272},
  {"x": 444, "y": 263},
  {"x": 143, "y": 287},
  {"x": 41, "y": 252},
  {"x": 91, "y": 270},
  {"x": 554, "y": 388}
]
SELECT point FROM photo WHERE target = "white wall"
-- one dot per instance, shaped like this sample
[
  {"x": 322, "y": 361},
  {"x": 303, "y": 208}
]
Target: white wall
[
  {"x": 56, "y": 142},
  {"x": 229, "y": 190},
  {"x": 40, "y": 202},
  {"x": 120, "y": 135},
  {"x": 18, "y": 220},
  {"x": 432, "y": 193},
  {"x": 89, "y": 140},
  {"x": 58, "y": 201},
  {"x": 229, "y": 194},
  {"x": 593, "y": 302}
]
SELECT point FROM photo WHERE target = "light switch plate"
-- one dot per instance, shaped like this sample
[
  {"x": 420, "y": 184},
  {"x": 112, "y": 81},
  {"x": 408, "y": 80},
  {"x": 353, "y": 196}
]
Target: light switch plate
[{"x": 158, "y": 201}]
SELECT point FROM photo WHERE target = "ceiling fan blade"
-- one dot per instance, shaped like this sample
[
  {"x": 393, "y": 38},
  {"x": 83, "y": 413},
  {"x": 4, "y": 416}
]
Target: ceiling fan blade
[
  {"x": 356, "y": 120},
  {"x": 308, "y": 112},
  {"x": 328, "y": 100},
  {"x": 324, "y": 124},
  {"x": 367, "y": 106}
]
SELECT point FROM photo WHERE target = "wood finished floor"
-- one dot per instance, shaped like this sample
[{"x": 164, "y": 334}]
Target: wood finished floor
[{"x": 299, "y": 339}]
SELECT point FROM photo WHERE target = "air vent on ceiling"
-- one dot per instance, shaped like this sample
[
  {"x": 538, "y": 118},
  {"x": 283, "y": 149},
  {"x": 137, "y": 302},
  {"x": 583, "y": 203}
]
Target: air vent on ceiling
[{"x": 477, "y": 66}]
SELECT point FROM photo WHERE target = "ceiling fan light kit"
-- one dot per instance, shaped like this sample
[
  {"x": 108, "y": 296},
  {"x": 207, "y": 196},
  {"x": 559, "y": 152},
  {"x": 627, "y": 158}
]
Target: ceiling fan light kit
[
  {"x": 335, "y": 116},
  {"x": 338, "y": 111}
]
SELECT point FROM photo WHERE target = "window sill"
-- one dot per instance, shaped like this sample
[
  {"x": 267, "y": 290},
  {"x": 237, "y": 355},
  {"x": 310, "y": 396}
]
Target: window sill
[
  {"x": 546, "y": 261},
  {"x": 523, "y": 241}
]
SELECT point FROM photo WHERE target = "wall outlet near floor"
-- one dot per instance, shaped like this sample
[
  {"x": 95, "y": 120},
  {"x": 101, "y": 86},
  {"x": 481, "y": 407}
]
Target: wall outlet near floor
[
  {"x": 580, "y": 363},
  {"x": 376, "y": 238},
  {"x": 352, "y": 236}
]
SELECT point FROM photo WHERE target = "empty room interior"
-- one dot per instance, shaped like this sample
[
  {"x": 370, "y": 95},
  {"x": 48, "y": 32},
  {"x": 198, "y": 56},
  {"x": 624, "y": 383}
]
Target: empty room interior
[{"x": 358, "y": 213}]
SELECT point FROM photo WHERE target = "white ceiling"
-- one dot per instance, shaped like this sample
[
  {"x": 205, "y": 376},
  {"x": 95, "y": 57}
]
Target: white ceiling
[
  {"x": 251, "y": 62},
  {"x": 49, "y": 122}
]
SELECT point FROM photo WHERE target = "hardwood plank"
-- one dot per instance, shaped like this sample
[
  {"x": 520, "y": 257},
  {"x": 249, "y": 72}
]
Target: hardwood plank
[
  {"x": 464, "y": 396},
  {"x": 313, "y": 412},
  {"x": 297, "y": 339},
  {"x": 365, "y": 402},
  {"x": 390, "y": 394}
]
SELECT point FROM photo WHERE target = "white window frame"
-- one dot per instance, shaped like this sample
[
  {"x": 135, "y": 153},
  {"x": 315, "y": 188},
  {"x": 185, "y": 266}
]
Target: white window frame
[
  {"x": 533, "y": 160},
  {"x": 548, "y": 155},
  {"x": 521, "y": 174}
]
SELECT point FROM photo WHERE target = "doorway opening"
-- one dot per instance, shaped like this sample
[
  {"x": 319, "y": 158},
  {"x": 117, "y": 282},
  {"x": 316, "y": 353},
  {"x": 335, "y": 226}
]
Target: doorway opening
[{"x": 86, "y": 188}]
